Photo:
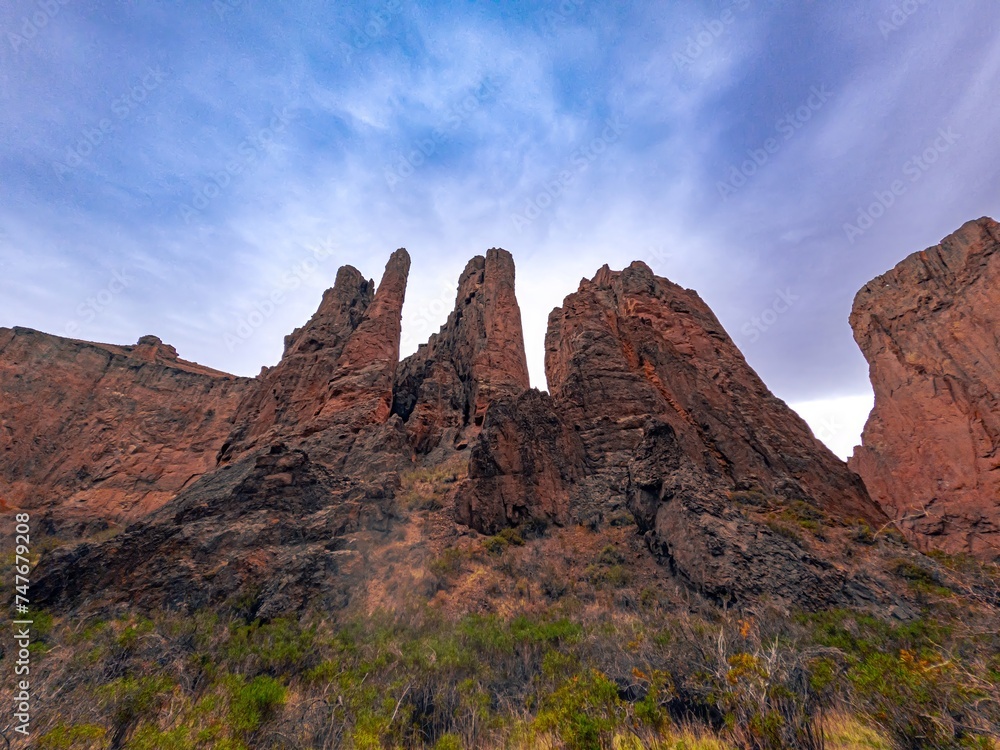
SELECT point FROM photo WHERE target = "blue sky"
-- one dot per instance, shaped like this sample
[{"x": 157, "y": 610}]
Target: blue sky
[{"x": 199, "y": 170}]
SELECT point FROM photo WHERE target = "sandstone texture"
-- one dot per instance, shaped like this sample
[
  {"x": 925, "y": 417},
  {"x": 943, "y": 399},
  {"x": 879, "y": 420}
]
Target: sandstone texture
[
  {"x": 930, "y": 453},
  {"x": 93, "y": 433}
]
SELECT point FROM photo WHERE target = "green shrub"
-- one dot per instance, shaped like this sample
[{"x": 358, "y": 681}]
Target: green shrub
[
  {"x": 448, "y": 742},
  {"x": 253, "y": 703},
  {"x": 448, "y": 563},
  {"x": 282, "y": 646},
  {"x": 496, "y": 545},
  {"x": 582, "y": 712},
  {"x": 131, "y": 698}
]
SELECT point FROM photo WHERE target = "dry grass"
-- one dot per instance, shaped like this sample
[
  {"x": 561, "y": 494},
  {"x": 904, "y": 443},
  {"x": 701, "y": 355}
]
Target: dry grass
[{"x": 845, "y": 732}]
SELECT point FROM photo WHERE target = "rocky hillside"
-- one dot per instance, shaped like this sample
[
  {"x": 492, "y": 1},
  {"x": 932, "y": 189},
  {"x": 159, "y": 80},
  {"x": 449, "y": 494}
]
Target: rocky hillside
[{"x": 654, "y": 420}]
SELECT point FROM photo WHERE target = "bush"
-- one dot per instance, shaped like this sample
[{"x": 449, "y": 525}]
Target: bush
[
  {"x": 253, "y": 703},
  {"x": 129, "y": 699},
  {"x": 582, "y": 712}
]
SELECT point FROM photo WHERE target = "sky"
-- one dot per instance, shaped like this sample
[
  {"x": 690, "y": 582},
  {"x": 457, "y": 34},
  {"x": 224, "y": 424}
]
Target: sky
[{"x": 199, "y": 170}]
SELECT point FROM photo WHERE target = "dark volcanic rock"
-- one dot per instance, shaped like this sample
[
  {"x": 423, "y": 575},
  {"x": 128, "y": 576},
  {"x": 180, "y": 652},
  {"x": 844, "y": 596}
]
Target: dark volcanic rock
[
  {"x": 309, "y": 462},
  {"x": 442, "y": 391},
  {"x": 653, "y": 409},
  {"x": 272, "y": 526},
  {"x": 522, "y": 468},
  {"x": 930, "y": 330},
  {"x": 97, "y": 432},
  {"x": 654, "y": 419},
  {"x": 728, "y": 549}
]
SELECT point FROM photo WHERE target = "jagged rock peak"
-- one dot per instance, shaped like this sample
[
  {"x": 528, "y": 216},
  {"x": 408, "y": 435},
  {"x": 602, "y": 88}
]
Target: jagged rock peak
[
  {"x": 338, "y": 367},
  {"x": 442, "y": 391},
  {"x": 340, "y": 311},
  {"x": 930, "y": 330},
  {"x": 630, "y": 346}
]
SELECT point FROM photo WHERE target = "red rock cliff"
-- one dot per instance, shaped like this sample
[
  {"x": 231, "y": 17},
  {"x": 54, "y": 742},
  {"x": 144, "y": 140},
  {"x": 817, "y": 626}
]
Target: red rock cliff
[
  {"x": 92, "y": 432},
  {"x": 629, "y": 346},
  {"x": 930, "y": 330},
  {"x": 336, "y": 376}
]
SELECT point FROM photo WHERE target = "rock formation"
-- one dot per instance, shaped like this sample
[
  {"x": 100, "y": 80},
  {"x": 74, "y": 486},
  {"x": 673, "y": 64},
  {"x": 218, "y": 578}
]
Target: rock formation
[
  {"x": 655, "y": 413},
  {"x": 442, "y": 391},
  {"x": 335, "y": 379},
  {"x": 95, "y": 432},
  {"x": 655, "y": 421},
  {"x": 629, "y": 346},
  {"x": 930, "y": 330},
  {"x": 523, "y": 468},
  {"x": 306, "y": 464}
]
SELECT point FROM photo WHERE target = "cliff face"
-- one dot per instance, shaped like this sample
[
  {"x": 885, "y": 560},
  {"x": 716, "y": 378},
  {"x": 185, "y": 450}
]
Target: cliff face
[
  {"x": 308, "y": 462},
  {"x": 336, "y": 376},
  {"x": 630, "y": 346},
  {"x": 96, "y": 432},
  {"x": 930, "y": 330}
]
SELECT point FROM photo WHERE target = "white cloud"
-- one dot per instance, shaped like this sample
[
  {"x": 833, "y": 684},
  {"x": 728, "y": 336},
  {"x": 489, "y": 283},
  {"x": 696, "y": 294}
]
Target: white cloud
[{"x": 838, "y": 422}]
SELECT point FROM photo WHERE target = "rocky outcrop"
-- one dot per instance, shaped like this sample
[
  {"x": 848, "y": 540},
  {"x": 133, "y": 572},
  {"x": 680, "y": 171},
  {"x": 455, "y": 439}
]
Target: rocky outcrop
[
  {"x": 335, "y": 379},
  {"x": 443, "y": 390},
  {"x": 523, "y": 468},
  {"x": 735, "y": 545},
  {"x": 274, "y": 527},
  {"x": 92, "y": 433},
  {"x": 629, "y": 346},
  {"x": 310, "y": 461},
  {"x": 290, "y": 393},
  {"x": 654, "y": 420},
  {"x": 655, "y": 415},
  {"x": 930, "y": 330}
]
